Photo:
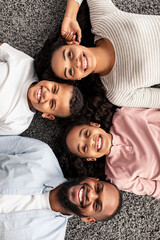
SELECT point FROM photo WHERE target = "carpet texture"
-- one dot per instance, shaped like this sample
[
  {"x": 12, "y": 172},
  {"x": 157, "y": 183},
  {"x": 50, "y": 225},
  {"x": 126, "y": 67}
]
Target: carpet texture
[{"x": 26, "y": 24}]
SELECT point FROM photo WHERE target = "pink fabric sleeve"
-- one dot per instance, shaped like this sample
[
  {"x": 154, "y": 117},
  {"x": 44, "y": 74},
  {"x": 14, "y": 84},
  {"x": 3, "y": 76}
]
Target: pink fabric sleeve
[{"x": 139, "y": 186}]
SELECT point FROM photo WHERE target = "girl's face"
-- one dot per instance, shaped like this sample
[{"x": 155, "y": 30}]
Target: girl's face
[
  {"x": 73, "y": 62},
  {"x": 89, "y": 141}
]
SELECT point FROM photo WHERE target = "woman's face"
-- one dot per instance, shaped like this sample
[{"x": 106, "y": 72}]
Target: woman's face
[
  {"x": 89, "y": 141},
  {"x": 73, "y": 62}
]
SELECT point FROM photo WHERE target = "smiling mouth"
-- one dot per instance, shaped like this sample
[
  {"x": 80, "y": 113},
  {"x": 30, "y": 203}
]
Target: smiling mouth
[
  {"x": 99, "y": 143},
  {"x": 39, "y": 94},
  {"x": 81, "y": 195},
  {"x": 85, "y": 62}
]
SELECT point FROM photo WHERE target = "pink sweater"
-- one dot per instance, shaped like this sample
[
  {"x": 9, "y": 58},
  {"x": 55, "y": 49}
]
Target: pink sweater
[{"x": 134, "y": 162}]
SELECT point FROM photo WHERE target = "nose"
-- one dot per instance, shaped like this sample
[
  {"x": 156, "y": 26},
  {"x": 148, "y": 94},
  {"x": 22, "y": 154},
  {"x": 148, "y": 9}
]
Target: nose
[
  {"x": 92, "y": 196},
  {"x": 77, "y": 62},
  {"x": 47, "y": 95},
  {"x": 91, "y": 142}
]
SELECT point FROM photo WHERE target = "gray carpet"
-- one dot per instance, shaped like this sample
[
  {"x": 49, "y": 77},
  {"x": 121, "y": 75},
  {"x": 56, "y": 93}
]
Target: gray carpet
[{"x": 25, "y": 24}]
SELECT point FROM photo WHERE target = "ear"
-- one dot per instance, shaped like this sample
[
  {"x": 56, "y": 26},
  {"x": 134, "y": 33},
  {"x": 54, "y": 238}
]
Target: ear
[
  {"x": 88, "y": 219},
  {"x": 91, "y": 159},
  {"x": 93, "y": 124},
  {"x": 48, "y": 115}
]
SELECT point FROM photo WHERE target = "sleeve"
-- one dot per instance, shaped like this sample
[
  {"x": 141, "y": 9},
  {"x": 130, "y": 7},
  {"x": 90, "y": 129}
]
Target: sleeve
[
  {"x": 140, "y": 186},
  {"x": 7, "y": 53},
  {"x": 12, "y": 128},
  {"x": 101, "y": 8},
  {"x": 12, "y": 145},
  {"x": 143, "y": 98},
  {"x": 79, "y": 1}
]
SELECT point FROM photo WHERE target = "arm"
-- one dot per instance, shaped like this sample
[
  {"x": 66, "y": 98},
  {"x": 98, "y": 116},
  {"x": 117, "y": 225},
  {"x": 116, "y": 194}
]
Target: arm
[
  {"x": 7, "y": 52},
  {"x": 11, "y": 145},
  {"x": 143, "y": 97},
  {"x": 140, "y": 186},
  {"x": 70, "y": 28}
]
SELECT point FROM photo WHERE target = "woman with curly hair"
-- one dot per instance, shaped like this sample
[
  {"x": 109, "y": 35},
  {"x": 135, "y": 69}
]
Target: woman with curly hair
[{"x": 126, "y": 55}]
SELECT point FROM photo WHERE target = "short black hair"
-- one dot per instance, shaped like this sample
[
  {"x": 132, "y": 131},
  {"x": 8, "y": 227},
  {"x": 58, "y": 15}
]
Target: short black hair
[{"x": 76, "y": 101}]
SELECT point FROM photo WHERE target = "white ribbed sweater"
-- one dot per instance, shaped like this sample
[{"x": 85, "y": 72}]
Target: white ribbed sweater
[{"x": 136, "y": 41}]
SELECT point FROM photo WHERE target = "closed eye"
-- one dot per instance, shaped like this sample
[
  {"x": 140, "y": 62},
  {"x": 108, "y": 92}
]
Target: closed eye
[
  {"x": 55, "y": 89},
  {"x": 52, "y": 105}
]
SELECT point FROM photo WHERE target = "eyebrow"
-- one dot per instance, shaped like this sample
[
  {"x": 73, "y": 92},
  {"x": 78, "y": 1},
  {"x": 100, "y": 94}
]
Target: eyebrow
[
  {"x": 57, "y": 89},
  {"x": 65, "y": 70},
  {"x": 78, "y": 147},
  {"x": 101, "y": 202},
  {"x": 64, "y": 54},
  {"x": 80, "y": 133}
]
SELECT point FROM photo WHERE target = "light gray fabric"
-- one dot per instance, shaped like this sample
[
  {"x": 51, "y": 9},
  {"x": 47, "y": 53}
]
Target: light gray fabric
[{"x": 25, "y": 25}]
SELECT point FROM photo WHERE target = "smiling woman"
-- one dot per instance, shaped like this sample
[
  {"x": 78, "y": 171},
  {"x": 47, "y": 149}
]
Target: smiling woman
[{"x": 73, "y": 62}]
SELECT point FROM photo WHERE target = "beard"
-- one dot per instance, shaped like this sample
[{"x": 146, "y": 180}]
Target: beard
[{"x": 63, "y": 196}]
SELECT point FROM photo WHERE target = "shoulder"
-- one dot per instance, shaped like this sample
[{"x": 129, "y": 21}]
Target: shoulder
[{"x": 14, "y": 53}]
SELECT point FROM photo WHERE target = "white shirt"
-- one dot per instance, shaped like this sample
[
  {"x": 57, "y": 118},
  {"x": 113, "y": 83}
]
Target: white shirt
[
  {"x": 16, "y": 75},
  {"x": 17, "y": 203}
]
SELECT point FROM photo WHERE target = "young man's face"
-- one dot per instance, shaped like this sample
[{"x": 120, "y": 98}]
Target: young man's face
[
  {"x": 90, "y": 197},
  {"x": 89, "y": 141},
  {"x": 51, "y": 98}
]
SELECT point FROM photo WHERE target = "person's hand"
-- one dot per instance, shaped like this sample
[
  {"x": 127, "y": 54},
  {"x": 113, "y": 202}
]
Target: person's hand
[{"x": 70, "y": 30}]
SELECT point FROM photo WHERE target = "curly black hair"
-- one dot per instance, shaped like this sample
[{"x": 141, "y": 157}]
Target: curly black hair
[
  {"x": 76, "y": 101},
  {"x": 96, "y": 107}
]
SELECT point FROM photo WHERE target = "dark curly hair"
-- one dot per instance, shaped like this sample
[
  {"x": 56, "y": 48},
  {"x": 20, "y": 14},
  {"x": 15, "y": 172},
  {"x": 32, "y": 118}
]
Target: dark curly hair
[
  {"x": 76, "y": 102},
  {"x": 42, "y": 61},
  {"x": 96, "y": 107}
]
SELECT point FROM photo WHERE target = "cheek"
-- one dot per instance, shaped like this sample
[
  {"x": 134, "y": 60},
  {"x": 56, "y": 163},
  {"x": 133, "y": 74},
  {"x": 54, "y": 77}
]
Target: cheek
[{"x": 87, "y": 212}]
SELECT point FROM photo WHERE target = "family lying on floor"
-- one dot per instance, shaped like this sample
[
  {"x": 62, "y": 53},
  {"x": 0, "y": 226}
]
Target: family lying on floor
[{"x": 35, "y": 198}]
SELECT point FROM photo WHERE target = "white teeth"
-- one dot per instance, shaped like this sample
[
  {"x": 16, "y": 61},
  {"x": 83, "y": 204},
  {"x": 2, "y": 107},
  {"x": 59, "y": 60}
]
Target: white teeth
[
  {"x": 99, "y": 143},
  {"x": 85, "y": 63},
  {"x": 81, "y": 195},
  {"x": 39, "y": 94}
]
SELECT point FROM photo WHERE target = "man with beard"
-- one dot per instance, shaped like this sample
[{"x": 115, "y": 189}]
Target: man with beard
[{"x": 35, "y": 198}]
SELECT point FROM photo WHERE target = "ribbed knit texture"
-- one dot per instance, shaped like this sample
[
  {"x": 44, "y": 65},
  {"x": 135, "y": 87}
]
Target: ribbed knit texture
[{"x": 136, "y": 40}]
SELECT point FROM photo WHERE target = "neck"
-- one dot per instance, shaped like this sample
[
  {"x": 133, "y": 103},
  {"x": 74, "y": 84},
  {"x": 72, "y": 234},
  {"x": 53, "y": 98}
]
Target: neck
[{"x": 105, "y": 57}]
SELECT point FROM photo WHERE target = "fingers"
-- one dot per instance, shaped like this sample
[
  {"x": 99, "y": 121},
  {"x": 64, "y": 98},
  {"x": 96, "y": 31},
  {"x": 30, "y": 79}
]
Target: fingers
[
  {"x": 69, "y": 36},
  {"x": 79, "y": 35},
  {"x": 72, "y": 42}
]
